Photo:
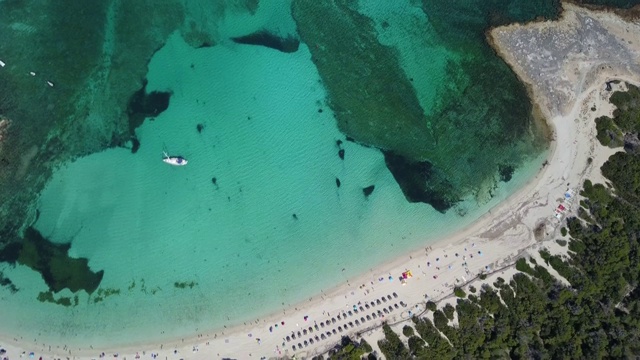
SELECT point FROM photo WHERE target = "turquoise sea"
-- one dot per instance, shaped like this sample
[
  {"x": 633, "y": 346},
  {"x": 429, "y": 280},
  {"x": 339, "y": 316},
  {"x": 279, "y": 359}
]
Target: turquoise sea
[{"x": 272, "y": 204}]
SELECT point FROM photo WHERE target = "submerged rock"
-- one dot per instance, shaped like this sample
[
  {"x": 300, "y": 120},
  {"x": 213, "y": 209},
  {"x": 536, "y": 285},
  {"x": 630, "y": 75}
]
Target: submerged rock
[
  {"x": 368, "y": 190},
  {"x": 420, "y": 182},
  {"x": 371, "y": 96},
  {"x": 143, "y": 105},
  {"x": 265, "y": 38},
  {"x": 506, "y": 172},
  {"x": 135, "y": 145},
  {"x": 52, "y": 261}
]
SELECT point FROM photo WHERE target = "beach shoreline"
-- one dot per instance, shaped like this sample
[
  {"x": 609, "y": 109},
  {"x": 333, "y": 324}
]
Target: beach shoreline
[{"x": 523, "y": 222}]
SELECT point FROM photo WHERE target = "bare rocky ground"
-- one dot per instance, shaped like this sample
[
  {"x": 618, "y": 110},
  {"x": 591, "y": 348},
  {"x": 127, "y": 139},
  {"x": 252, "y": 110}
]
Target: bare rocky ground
[{"x": 561, "y": 59}]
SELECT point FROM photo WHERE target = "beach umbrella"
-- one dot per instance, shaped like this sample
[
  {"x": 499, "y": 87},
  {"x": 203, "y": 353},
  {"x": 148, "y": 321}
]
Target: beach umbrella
[{"x": 395, "y": 295}]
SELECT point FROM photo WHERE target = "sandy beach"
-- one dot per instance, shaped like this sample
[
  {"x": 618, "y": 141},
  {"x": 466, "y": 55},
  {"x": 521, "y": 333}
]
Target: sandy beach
[{"x": 566, "y": 69}]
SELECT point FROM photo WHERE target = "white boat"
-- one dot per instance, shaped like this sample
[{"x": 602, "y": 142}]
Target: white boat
[{"x": 174, "y": 160}]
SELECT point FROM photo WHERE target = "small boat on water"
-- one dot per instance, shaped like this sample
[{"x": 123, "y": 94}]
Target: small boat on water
[{"x": 174, "y": 160}]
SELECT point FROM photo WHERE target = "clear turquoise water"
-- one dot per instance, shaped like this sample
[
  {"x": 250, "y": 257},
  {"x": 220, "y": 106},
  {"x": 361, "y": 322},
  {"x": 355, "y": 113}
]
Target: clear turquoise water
[{"x": 149, "y": 225}]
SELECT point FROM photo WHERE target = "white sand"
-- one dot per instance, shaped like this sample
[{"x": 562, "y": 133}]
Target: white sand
[{"x": 502, "y": 235}]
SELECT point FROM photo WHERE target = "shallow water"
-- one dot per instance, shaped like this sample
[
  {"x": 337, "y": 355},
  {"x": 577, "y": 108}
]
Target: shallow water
[{"x": 182, "y": 252}]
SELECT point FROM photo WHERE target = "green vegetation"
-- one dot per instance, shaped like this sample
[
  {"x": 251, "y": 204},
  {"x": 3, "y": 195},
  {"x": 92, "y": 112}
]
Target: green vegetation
[
  {"x": 533, "y": 315},
  {"x": 448, "y": 311},
  {"x": 184, "y": 284},
  {"x": 612, "y": 132},
  {"x": 349, "y": 350},
  {"x": 563, "y": 231},
  {"x": 407, "y": 331},
  {"x": 608, "y": 132},
  {"x": 391, "y": 346},
  {"x": 521, "y": 265},
  {"x": 459, "y": 292}
]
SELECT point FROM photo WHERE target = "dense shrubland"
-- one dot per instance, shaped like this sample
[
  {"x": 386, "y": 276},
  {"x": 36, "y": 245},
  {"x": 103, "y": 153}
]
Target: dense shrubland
[{"x": 534, "y": 316}]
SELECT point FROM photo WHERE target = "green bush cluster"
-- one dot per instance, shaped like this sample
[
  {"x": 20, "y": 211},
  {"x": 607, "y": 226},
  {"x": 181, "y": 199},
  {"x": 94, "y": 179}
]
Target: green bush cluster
[
  {"x": 349, "y": 350},
  {"x": 626, "y": 118},
  {"x": 407, "y": 331},
  {"x": 459, "y": 293},
  {"x": 534, "y": 316}
]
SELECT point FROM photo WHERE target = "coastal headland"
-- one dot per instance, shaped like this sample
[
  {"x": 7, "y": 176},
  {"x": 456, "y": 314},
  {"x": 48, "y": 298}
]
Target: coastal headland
[{"x": 569, "y": 66}]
